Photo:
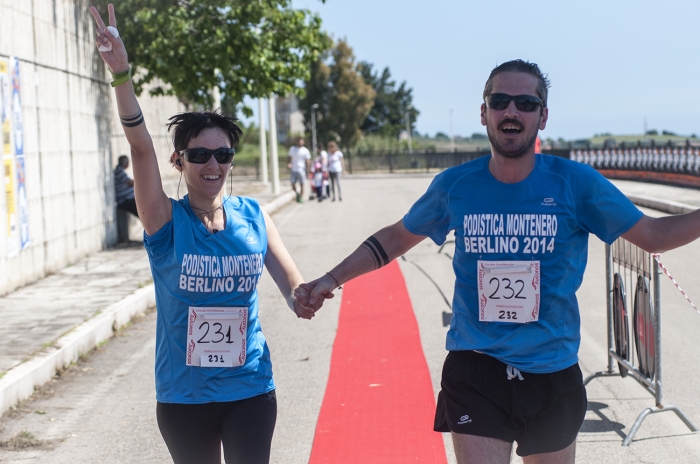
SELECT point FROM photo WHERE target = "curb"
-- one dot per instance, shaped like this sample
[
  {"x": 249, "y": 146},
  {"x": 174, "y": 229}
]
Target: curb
[
  {"x": 665, "y": 206},
  {"x": 280, "y": 201},
  {"x": 19, "y": 382}
]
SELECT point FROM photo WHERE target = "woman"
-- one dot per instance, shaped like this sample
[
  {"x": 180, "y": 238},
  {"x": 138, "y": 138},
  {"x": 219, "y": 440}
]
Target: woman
[
  {"x": 335, "y": 167},
  {"x": 213, "y": 373}
]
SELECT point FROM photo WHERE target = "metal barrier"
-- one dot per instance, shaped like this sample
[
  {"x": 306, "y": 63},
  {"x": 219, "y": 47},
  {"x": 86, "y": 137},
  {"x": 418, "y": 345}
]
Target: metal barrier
[
  {"x": 629, "y": 264},
  {"x": 682, "y": 160}
]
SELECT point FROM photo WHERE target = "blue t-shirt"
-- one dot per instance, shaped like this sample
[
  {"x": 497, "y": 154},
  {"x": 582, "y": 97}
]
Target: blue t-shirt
[
  {"x": 192, "y": 267},
  {"x": 547, "y": 217}
]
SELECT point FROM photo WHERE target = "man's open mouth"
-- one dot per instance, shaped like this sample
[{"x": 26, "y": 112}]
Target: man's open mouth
[{"x": 511, "y": 128}]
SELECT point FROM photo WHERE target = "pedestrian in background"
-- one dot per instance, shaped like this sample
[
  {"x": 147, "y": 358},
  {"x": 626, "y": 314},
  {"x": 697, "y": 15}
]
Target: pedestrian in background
[
  {"x": 335, "y": 168},
  {"x": 298, "y": 161},
  {"x": 124, "y": 187},
  {"x": 323, "y": 159}
]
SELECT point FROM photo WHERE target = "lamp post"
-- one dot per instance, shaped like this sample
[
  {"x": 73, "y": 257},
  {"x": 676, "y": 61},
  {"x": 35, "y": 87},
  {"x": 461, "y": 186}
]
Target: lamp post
[
  {"x": 313, "y": 128},
  {"x": 408, "y": 128}
]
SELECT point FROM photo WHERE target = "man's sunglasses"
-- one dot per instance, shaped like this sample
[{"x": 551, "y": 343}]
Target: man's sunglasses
[
  {"x": 526, "y": 103},
  {"x": 200, "y": 155}
]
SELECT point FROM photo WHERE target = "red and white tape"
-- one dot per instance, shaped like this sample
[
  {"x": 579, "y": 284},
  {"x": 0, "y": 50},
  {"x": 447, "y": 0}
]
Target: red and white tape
[{"x": 656, "y": 257}]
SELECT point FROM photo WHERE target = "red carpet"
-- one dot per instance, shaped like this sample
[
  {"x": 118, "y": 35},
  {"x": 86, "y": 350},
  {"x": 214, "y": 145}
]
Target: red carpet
[{"x": 379, "y": 404}]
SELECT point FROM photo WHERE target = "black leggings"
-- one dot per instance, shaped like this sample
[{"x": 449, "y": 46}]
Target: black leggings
[{"x": 194, "y": 432}]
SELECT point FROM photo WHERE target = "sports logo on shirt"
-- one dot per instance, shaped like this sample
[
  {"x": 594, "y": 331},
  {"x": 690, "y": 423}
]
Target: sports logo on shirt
[{"x": 548, "y": 202}]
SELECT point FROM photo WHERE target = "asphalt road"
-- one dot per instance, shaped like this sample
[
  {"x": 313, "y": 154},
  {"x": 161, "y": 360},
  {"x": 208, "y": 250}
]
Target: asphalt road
[{"x": 103, "y": 408}]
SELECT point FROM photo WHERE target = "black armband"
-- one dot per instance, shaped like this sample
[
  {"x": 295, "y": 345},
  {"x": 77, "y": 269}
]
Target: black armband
[
  {"x": 131, "y": 121},
  {"x": 377, "y": 251}
]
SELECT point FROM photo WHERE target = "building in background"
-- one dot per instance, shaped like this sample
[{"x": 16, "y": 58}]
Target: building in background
[
  {"x": 290, "y": 120},
  {"x": 60, "y": 137}
]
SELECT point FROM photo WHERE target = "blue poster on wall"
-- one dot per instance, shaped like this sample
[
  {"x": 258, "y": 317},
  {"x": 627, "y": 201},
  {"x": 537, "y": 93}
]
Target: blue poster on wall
[
  {"x": 22, "y": 209},
  {"x": 18, "y": 133},
  {"x": 17, "y": 109}
]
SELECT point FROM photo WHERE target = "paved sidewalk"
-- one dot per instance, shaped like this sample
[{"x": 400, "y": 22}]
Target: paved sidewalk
[
  {"x": 673, "y": 200},
  {"x": 49, "y": 324}
]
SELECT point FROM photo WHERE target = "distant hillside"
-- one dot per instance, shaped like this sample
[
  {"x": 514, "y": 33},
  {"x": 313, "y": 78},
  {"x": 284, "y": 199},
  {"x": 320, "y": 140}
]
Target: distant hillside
[{"x": 658, "y": 139}]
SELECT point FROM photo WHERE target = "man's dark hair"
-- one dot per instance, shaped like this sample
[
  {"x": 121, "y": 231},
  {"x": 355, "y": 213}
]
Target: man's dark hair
[
  {"x": 523, "y": 67},
  {"x": 123, "y": 160},
  {"x": 186, "y": 126}
]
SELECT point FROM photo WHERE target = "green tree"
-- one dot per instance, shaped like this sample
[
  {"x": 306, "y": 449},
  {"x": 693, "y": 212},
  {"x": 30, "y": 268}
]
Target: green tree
[
  {"x": 246, "y": 48},
  {"x": 343, "y": 97},
  {"x": 319, "y": 90},
  {"x": 388, "y": 114}
]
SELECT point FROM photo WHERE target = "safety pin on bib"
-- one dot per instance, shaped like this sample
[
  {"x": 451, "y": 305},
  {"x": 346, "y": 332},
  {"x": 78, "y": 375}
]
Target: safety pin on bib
[{"x": 508, "y": 270}]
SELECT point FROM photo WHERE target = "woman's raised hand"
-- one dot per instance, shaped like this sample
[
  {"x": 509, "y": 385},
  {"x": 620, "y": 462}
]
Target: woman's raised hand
[{"x": 115, "y": 53}]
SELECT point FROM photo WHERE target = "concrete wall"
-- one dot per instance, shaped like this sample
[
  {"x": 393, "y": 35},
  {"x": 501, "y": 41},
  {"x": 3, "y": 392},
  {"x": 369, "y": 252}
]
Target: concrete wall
[{"x": 72, "y": 137}]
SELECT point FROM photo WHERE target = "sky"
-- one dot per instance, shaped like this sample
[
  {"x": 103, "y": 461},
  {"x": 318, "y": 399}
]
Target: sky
[{"x": 612, "y": 63}]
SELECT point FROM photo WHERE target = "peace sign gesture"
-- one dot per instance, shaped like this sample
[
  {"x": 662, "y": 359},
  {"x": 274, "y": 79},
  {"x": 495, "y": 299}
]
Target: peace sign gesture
[{"x": 109, "y": 44}]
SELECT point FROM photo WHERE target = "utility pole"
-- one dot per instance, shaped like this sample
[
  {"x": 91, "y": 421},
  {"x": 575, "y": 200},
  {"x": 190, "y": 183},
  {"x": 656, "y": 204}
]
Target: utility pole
[
  {"x": 452, "y": 135},
  {"x": 313, "y": 129},
  {"x": 408, "y": 128},
  {"x": 274, "y": 159},
  {"x": 263, "y": 143}
]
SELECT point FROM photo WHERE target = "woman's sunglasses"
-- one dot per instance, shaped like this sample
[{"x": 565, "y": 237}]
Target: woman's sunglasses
[
  {"x": 200, "y": 155},
  {"x": 526, "y": 103}
]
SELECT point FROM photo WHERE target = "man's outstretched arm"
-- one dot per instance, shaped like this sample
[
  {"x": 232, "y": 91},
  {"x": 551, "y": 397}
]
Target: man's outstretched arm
[
  {"x": 378, "y": 250},
  {"x": 657, "y": 235}
]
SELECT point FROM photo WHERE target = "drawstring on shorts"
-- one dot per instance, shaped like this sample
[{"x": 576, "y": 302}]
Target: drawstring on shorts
[{"x": 513, "y": 373}]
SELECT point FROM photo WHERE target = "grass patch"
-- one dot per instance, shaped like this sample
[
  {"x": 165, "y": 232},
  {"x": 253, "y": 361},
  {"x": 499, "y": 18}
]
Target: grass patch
[
  {"x": 251, "y": 151},
  {"x": 24, "y": 440}
]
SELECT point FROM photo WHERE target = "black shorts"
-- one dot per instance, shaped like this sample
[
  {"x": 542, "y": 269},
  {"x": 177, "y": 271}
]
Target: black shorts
[{"x": 541, "y": 412}]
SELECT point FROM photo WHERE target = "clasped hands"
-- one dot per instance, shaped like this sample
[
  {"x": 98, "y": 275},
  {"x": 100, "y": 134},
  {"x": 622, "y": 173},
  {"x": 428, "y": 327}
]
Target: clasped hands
[{"x": 309, "y": 297}]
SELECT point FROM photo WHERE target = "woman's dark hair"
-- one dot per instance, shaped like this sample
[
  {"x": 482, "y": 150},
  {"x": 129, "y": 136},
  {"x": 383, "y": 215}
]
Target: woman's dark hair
[
  {"x": 186, "y": 126},
  {"x": 523, "y": 67}
]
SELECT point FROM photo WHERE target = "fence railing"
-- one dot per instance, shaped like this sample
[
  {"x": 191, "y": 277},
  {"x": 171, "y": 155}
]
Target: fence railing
[
  {"x": 388, "y": 162},
  {"x": 408, "y": 162},
  {"x": 376, "y": 162},
  {"x": 680, "y": 160},
  {"x": 640, "y": 163}
]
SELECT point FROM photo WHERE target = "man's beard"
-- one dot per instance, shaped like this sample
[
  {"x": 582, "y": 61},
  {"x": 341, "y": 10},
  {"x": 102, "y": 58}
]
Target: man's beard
[{"x": 516, "y": 152}]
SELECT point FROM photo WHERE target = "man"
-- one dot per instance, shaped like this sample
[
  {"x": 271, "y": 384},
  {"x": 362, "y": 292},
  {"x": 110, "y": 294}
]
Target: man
[
  {"x": 521, "y": 224},
  {"x": 124, "y": 187},
  {"x": 298, "y": 162}
]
